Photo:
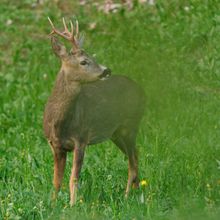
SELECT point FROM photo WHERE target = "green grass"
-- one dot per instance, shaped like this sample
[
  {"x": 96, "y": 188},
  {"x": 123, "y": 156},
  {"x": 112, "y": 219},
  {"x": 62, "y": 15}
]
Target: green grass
[{"x": 174, "y": 54}]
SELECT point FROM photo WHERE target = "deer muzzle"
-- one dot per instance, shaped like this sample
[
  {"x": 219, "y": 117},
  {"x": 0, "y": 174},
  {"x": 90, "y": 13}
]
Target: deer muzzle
[{"x": 105, "y": 73}]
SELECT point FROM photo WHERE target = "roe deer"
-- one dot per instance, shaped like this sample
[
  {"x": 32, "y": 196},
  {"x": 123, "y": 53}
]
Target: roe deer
[{"x": 88, "y": 106}]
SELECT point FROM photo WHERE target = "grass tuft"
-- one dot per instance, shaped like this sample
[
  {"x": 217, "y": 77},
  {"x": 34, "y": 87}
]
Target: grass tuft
[{"x": 172, "y": 50}]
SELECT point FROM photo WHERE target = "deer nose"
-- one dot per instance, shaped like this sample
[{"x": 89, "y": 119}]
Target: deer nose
[{"x": 106, "y": 72}]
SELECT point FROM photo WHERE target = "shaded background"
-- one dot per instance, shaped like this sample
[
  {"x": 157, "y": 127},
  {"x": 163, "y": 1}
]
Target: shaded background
[{"x": 172, "y": 50}]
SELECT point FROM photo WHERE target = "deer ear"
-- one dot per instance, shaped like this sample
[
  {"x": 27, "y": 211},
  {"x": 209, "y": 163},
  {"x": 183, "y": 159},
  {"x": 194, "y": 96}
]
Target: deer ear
[
  {"x": 58, "y": 48},
  {"x": 81, "y": 39}
]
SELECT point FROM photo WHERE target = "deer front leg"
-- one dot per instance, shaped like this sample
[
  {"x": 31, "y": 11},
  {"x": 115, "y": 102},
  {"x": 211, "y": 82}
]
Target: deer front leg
[
  {"x": 77, "y": 164},
  {"x": 59, "y": 167}
]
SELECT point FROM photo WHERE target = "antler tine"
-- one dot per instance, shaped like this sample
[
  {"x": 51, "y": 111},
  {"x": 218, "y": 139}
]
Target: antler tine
[
  {"x": 51, "y": 23},
  {"x": 71, "y": 25},
  {"x": 65, "y": 27},
  {"x": 77, "y": 29}
]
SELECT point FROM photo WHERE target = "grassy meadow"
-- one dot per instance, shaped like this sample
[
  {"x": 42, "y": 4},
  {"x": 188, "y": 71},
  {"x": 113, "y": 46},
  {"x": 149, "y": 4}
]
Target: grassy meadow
[{"x": 172, "y": 49}]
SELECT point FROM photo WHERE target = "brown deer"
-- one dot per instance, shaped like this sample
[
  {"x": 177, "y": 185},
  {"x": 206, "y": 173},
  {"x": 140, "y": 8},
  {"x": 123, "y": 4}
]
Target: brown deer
[{"x": 88, "y": 106}]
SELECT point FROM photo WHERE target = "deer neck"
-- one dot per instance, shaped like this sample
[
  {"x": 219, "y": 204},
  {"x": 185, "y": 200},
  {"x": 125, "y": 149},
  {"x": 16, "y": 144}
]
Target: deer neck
[
  {"x": 63, "y": 96},
  {"x": 66, "y": 85},
  {"x": 65, "y": 91}
]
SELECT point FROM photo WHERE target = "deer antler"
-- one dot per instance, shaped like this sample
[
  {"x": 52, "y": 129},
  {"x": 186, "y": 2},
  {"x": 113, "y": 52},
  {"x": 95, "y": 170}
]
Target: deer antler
[{"x": 68, "y": 35}]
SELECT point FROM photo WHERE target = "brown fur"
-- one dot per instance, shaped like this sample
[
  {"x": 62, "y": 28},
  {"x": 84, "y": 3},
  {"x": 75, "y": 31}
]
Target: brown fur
[{"x": 84, "y": 110}]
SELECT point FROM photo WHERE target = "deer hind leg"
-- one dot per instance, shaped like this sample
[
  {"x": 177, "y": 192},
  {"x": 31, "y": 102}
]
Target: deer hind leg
[
  {"x": 132, "y": 170},
  {"x": 59, "y": 167},
  {"x": 126, "y": 142},
  {"x": 76, "y": 168}
]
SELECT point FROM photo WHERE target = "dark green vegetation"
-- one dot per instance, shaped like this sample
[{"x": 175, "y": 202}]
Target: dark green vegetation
[{"x": 174, "y": 53}]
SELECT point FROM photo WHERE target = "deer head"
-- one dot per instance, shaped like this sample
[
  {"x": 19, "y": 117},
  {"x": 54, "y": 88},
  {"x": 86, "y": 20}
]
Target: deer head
[{"x": 76, "y": 63}]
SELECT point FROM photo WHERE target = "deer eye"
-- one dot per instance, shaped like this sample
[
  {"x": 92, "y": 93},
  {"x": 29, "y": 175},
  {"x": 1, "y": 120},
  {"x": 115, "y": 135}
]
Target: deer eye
[{"x": 84, "y": 62}]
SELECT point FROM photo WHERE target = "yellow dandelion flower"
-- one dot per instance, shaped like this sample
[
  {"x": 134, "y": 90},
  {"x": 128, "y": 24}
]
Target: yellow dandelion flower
[
  {"x": 144, "y": 183},
  {"x": 81, "y": 200}
]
